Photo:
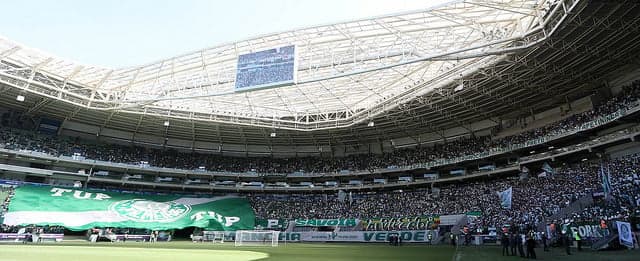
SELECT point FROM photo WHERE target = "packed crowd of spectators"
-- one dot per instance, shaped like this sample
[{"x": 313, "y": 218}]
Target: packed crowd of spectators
[
  {"x": 6, "y": 193},
  {"x": 624, "y": 199},
  {"x": 534, "y": 199},
  {"x": 43, "y": 229},
  {"x": 12, "y": 138},
  {"x": 24, "y": 140}
]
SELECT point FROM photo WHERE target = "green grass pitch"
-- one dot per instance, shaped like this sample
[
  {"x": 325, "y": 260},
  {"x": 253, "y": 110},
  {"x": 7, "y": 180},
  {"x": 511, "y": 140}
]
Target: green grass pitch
[
  {"x": 183, "y": 250},
  {"x": 186, "y": 250}
]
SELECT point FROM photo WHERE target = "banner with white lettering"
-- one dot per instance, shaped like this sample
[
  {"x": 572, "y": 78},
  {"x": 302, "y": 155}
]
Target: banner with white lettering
[
  {"x": 401, "y": 223},
  {"x": 340, "y": 222},
  {"x": 415, "y": 236},
  {"x": 347, "y": 236},
  {"x": 83, "y": 209},
  {"x": 589, "y": 232}
]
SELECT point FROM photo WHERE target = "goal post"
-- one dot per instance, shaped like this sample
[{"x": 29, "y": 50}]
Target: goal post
[
  {"x": 257, "y": 238},
  {"x": 213, "y": 236}
]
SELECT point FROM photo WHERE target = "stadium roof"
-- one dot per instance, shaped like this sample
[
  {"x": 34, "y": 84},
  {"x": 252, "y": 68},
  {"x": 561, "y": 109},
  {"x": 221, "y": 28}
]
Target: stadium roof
[
  {"x": 414, "y": 72},
  {"x": 344, "y": 68}
]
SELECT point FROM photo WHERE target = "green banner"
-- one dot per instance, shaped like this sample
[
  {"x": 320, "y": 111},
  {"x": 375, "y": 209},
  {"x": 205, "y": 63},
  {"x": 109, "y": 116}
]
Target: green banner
[
  {"x": 271, "y": 223},
  {"x": 341, "y": 222},
  {"x": 588, "y": 230},
  {"x": 474, "y": 213},
  {"x": 83, "y": 209},
  {"x": 404, "y": 223}
]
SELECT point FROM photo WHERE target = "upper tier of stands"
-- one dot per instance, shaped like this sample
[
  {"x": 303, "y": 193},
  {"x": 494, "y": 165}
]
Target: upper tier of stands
[{"x": 449, "y": 151}]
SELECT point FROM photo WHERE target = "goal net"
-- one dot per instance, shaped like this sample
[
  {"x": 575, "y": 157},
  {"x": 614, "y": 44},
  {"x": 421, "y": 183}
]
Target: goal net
[
  {"x": 213, "y": 236},
  {"x": 257, "y": 238}
]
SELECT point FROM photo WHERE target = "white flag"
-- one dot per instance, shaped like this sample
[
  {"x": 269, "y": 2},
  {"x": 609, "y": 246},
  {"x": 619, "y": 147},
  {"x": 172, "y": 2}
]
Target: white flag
[
  {"x": 505, "y": 198},
  {"x": 342, "y": 196}
]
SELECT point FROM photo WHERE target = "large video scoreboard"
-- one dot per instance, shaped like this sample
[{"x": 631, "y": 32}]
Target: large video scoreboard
[{"x": 268, "y": 68}]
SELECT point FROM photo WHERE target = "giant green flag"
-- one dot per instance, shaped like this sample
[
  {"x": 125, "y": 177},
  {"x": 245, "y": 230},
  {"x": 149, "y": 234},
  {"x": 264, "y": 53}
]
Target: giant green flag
[{"x": 83, "y": 209}]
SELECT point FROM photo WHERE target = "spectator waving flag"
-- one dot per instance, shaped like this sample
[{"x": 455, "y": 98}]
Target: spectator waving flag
[
  {"x": 342, "y": 195},
  {"x": 505, "y": 198},
  {"x": 547, "y": 169},
  {"x": 609, "y": 180},
  {"x": 606, "y": 182}
]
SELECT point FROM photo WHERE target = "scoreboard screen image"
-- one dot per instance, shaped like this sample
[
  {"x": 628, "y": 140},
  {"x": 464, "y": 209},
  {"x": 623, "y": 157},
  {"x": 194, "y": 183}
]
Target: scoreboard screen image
[{"x": 268, "y": 68}]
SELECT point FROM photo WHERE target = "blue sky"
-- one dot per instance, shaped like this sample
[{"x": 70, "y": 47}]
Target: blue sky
[{"x": 117, "y": 33}]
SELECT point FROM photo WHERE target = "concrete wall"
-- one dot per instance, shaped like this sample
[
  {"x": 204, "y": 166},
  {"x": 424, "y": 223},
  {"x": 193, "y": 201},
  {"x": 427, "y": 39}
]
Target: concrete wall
[
  {"x": 546, "y": 117},
  {"x": 623, "y": 150},
  {"x": 89, "y": 133}
]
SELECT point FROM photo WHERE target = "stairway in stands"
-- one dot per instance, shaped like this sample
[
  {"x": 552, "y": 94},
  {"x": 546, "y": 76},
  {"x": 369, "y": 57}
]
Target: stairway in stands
[
  {"x": 604, "y": 242},
  {"x": 576, "y": 206}
]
